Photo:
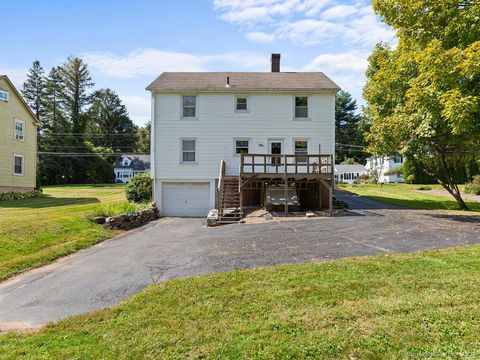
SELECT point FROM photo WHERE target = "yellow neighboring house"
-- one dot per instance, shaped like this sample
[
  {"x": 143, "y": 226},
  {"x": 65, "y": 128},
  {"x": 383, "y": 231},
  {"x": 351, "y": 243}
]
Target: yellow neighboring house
[{"x": 18, "y": 140}]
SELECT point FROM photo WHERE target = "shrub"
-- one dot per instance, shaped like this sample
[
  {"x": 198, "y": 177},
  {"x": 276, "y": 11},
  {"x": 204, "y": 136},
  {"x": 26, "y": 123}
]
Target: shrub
[
  {"x": 397, "y": 170},
  {"x": 424, "y": 188},
  {"x": 139, "y": 188},
  {"x": 20, "y": 195},
  {"x": 473, "y": 187},
  {"x": 119, "y": 208}
]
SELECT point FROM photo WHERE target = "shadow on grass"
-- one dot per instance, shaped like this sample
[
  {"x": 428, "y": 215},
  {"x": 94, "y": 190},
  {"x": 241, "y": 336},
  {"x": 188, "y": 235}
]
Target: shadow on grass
[{"x": 45, "y": 202}]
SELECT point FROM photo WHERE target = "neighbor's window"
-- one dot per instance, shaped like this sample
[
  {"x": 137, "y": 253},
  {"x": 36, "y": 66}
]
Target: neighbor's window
[
  {"x": 18, "y": 164},
  {"x": 241, "y": 104},
  {"x": 188, "y": 151},
  {"x": 301, "y": 148},
  {"x": 398, "y": 159},
  {"x": 301, "y": 106},
  {"x": 189, "y": 106},
  {"x": 19, "y": 130},
  {"x": 241, "y": 146},
  {"x": 3, "y": 95}
]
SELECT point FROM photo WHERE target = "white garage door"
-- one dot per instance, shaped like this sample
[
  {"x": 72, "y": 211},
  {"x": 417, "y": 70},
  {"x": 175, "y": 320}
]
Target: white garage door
[{"x": 186, "y": 199}]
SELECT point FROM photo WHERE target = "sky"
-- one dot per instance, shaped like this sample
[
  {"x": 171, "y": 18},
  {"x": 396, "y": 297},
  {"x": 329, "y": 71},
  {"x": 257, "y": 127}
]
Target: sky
[{"x": 127, "y": 44}]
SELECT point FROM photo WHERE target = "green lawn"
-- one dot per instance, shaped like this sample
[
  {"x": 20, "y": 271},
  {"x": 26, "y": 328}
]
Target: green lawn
[
  {"x": 398, "y": 306},
  {"x": 408, "y": 195},
  {"x": 36, "y": 231}
]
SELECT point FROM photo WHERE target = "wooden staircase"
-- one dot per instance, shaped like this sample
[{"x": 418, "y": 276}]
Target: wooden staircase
[{"x": 229, "y": 200}]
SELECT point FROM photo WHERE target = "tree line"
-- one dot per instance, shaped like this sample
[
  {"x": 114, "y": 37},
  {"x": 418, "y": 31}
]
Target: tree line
[{"x": 81, "y": 128}]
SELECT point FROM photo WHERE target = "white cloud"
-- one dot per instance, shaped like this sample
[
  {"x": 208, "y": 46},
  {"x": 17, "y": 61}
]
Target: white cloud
[
  {"x": 142, "y": 62},
  {"x": 152, "y": 62},
  {"x": 138, "y": 107},
  {"x": 16, "y": 75},
  {"x": 346, "y": 69},
  {"x": 260, "y": 37},
  {"x": 306, "y": 22}
]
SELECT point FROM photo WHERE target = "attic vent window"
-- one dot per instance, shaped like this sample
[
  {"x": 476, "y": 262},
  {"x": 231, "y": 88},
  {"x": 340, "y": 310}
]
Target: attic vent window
[{"x": 3, "y": 95}]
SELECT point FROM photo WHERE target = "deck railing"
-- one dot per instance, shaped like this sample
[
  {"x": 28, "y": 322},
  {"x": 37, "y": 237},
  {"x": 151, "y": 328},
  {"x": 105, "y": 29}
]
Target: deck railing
[{"x": 286, "y": 164}]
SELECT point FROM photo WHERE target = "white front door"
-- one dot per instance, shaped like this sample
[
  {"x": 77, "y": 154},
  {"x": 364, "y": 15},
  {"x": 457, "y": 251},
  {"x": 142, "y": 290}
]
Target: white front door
[{"x": 186, "y": 199}]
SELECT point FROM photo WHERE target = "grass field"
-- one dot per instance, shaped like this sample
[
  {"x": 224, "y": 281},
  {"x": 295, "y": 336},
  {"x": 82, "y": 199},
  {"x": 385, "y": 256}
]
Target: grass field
[
  {"x": 408, "y": 195},
  {"x": 36, "y": 231},
  {"x": 385, "y": 307}
]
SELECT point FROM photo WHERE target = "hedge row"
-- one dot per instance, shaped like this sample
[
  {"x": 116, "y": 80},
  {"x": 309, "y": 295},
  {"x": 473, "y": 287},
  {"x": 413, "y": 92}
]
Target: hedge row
[{"x": 20, "y": 195}]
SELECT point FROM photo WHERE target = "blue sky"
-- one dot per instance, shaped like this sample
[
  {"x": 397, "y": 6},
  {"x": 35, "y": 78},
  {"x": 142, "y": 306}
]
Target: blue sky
[{"x": 128, "y": 43}]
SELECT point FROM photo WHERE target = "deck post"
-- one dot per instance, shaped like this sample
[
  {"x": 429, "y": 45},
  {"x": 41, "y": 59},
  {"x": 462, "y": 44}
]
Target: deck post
[
  {"x": 286, "y": 184},
  {"x": 332, "y": 184},
  {"x": 320, "y": 195}
]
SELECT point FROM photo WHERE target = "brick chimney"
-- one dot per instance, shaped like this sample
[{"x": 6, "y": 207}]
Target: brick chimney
[{"x": 275, "y": 61}]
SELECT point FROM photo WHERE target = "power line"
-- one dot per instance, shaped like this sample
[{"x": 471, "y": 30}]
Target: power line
[
  {"x": 350, "y": 145},
  {"x": 66, "y": 154}
]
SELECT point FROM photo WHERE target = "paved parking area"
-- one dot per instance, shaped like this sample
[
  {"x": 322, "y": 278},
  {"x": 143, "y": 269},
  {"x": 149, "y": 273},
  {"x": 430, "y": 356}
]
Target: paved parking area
[{"x": 109, "y": 272}]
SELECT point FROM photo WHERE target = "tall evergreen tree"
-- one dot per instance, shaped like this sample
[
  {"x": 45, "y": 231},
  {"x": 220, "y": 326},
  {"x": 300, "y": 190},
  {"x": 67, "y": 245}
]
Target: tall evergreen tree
[
  {"x": 108, "y": 117},
  {"x": 34, "y": 91},
  {"x": 348, "y": 129},
  {"x": 76, "y": 80}
]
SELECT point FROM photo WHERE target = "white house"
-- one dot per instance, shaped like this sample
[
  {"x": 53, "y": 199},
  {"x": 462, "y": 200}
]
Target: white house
[
  {"x": 349, "y": 173},
  {"x": 384, "y": 164},
  {"x": 128, "y": 165},
  {"x": 204, "y": 119}
]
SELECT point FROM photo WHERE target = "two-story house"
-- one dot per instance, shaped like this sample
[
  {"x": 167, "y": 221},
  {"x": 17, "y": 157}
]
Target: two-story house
[
  {"x": 18, "y": 140},
  {"x": 384, "y": 166},
  {"x": 227, "y": 140},
  {"x": 128, "y": 165}
]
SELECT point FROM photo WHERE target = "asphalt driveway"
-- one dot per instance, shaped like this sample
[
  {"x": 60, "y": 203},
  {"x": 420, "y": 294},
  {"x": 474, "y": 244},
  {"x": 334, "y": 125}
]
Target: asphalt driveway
[{"x": 109, "y": 272}]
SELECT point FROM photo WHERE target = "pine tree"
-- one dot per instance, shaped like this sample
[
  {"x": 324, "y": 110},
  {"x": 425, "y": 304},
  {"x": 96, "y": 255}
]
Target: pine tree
[
  {"x": 348, "y": 129},
  {"x": 34, "y": 91},
  {"x": 109, "y": 118}
]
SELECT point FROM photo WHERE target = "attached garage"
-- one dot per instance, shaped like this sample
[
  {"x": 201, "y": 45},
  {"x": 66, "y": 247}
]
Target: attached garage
[{"x": 185, "y": 199}]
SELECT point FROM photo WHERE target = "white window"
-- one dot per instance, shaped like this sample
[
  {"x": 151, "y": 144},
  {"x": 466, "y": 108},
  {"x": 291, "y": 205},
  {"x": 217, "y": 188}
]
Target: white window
[
  {"x": 3, "y": 95},
  {"x": 17, "y": 164},
  {"x": 125, "y": 162},
  {"x": 301, "y": 106},
  {"x": 301, "y": 148},
  {"x": 19, "y": 130},
  {"x": 189, "y": 106},
  {"x": 189, "y": 150},
  {"x": 398, "y": 160},
  {"x": 241, "y": 146},
  {"x": 241, "y": 103}
]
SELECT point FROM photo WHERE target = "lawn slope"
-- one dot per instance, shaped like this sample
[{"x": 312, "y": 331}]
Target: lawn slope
[
  {"x": 408, "y": 195},
  {"x": 36, "y": 231},
  {"x": 401, "y": 306}
]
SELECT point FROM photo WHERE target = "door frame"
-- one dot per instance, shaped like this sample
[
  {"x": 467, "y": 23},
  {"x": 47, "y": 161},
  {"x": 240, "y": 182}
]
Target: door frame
[{"x": 282, "y": 152}]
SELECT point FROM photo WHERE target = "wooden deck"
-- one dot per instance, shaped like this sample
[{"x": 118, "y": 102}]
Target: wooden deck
[{"x": 288, "y": 170}]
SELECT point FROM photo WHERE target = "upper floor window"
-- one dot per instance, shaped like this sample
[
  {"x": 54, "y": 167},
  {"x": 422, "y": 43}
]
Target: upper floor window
[
  {"x": 301, "y": 148},
  {"x": 241, "y": 146},
  {"x": 125, "y": 162},
  {"x": 19, "y": 130},
  {"x": 18, "y": 164},
  {"x": 398, "y": 160},
  {"x": 189, "y": 147},
  {"x": 189, "y": 106},
  {"x": 3, "y": 95},
  {"x": 301, "y": 106},
  {"x": 241, "y": 103}
]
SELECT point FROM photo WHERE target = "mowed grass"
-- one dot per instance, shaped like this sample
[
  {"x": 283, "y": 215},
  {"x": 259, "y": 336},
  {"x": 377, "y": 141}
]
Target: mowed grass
[
  {"x": 36, "y": 231},
  {"x": 408, "y": 195},
  {"x": 385, "y": 307}
]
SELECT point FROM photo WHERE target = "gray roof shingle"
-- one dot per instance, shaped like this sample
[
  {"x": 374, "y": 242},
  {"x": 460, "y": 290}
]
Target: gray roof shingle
[{"x": 243, "y": 81}]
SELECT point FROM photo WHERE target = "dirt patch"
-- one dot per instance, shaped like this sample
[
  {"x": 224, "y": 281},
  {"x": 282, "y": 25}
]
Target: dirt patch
[{"x": 441, "y": 192}]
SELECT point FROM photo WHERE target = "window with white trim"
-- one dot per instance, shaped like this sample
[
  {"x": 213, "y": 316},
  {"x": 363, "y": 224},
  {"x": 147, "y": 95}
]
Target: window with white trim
[
  {"x": 398, "y": 160},
  {"x": 241, "y": 147},
  {"x": 18, "y": 164},
  {"x": 189, "y": 106},
  {"x": 241, "y": 103},
  {"x": 189, "y": 147},
  {"x": 301, "y": 107},
  {"x": 3, "y": 95},
  {"x": 301, "y": 148},
  {"x": 19, "y": 130}
]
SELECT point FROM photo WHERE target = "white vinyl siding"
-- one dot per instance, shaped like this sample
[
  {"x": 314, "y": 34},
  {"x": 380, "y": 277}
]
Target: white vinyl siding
[{"x": 269, "y": 116}]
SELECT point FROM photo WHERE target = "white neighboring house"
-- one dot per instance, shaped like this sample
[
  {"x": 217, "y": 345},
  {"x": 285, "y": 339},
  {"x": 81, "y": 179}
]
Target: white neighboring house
[
  {"x": 202, "y": 118},
  {"x": 383, "y": 165},
  {"x": 348, "y": 173},
  {"x": 128, "y": 165}
]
